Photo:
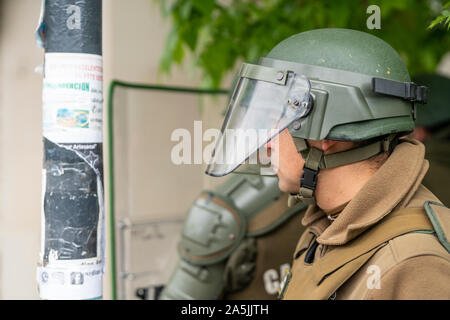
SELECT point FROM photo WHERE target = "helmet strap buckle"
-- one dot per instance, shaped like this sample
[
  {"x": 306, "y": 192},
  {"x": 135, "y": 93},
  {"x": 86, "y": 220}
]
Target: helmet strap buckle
[{"x": 309, "y": 178}]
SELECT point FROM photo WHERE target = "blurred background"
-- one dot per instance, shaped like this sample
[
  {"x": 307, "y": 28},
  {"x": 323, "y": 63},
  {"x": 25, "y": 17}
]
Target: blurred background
[{"x": 195, "y": 44}]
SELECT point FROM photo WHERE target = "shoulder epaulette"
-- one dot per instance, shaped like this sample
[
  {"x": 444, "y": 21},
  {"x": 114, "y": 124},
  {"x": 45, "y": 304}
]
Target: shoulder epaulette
[{"x": 439, "y": 216}]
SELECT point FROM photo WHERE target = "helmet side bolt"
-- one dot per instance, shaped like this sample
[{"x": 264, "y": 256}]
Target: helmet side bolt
[{"x": 296, "y": 125}]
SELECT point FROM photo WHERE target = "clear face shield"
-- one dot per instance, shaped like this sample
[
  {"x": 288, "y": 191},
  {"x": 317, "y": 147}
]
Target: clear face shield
[{"x": 264, "y": 103}]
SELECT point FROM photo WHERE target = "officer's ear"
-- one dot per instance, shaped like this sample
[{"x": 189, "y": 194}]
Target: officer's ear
[
  {"x": 326, "y": 145},
  {"x": 332, "y": 146}
]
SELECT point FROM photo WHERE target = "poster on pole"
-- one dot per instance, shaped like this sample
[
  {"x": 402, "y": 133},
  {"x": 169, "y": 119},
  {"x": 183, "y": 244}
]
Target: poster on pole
[{"x": 72, "y": 254}]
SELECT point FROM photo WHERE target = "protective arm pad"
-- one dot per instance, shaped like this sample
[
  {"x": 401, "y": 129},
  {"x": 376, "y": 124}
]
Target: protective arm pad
[
  {"x": 191, "y": 282},
  {"x": 211, "y": 231}
]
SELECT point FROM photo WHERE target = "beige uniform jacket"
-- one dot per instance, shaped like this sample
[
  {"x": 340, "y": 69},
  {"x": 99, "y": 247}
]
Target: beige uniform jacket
[{"x": 410, "y": 266}]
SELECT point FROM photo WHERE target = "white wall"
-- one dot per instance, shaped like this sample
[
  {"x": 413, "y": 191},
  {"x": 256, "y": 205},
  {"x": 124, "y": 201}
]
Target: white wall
[{"x": 20, "y": 149}]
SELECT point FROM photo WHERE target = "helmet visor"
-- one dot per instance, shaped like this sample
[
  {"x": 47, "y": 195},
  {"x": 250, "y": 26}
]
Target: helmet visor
[
  {"x": 262, "y": 166},
  {"x": 264, "y": 103}
]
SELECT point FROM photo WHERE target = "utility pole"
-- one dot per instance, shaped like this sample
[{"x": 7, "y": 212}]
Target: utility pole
[{"x": 72, "y": 222}]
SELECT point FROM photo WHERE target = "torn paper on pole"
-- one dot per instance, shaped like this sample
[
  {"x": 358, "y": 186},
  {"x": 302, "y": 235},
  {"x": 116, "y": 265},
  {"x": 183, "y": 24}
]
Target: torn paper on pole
[{"x": 72, "y": 247}]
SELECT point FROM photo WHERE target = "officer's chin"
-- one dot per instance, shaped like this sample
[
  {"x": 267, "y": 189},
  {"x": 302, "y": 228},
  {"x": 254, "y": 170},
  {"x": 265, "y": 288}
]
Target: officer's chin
[{"x": 283, "y": 184}]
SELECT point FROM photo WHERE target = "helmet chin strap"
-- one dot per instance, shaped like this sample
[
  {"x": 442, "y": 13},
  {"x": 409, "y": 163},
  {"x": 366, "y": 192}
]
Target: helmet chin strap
[{"x": 316, "y": 160}]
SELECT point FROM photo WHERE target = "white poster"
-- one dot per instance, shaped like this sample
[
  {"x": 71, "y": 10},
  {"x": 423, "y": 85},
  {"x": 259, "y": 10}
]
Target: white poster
[
  {"x": 72, "y": 248},
  {"x": 73, "y": 97}
]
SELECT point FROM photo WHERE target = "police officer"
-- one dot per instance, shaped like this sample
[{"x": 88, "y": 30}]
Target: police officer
[
  {"x": 433, "y": 129},
  {"x": 343, "y": 99}
]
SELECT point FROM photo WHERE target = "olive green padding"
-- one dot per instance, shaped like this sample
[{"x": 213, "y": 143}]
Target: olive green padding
[
  {"x": 249, "y": 194},
  {"x": 277, "y": 223},
  {"x": 191, "y": 282},
  {"x": 369, "y": 129},
  {"x": 210, "y": 232},
  {"x": 341, "y": 64},
  {"x": 437, "y": 110},
  {"x": 241, "y": 265}
]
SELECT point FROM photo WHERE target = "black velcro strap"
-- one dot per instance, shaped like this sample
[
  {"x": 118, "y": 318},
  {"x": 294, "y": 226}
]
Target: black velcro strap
[{"x": 406, "y": 90}]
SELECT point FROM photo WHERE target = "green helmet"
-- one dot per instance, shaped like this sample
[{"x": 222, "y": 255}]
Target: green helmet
[
  {"x": 437, "y": 111},
  {"x": 335, "y": 84},
  {"x": 341, "y": 64}
]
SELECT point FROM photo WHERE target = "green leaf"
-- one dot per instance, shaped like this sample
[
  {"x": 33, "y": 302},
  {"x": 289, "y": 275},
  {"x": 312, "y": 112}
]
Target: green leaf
[{"x": 218, "y": 34}]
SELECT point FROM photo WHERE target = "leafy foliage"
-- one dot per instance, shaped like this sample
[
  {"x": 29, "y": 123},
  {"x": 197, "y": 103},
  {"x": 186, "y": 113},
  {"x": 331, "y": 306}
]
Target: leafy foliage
[
  {"x": 443, "y": 18},
  {"x": 220, "y": 33}
]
